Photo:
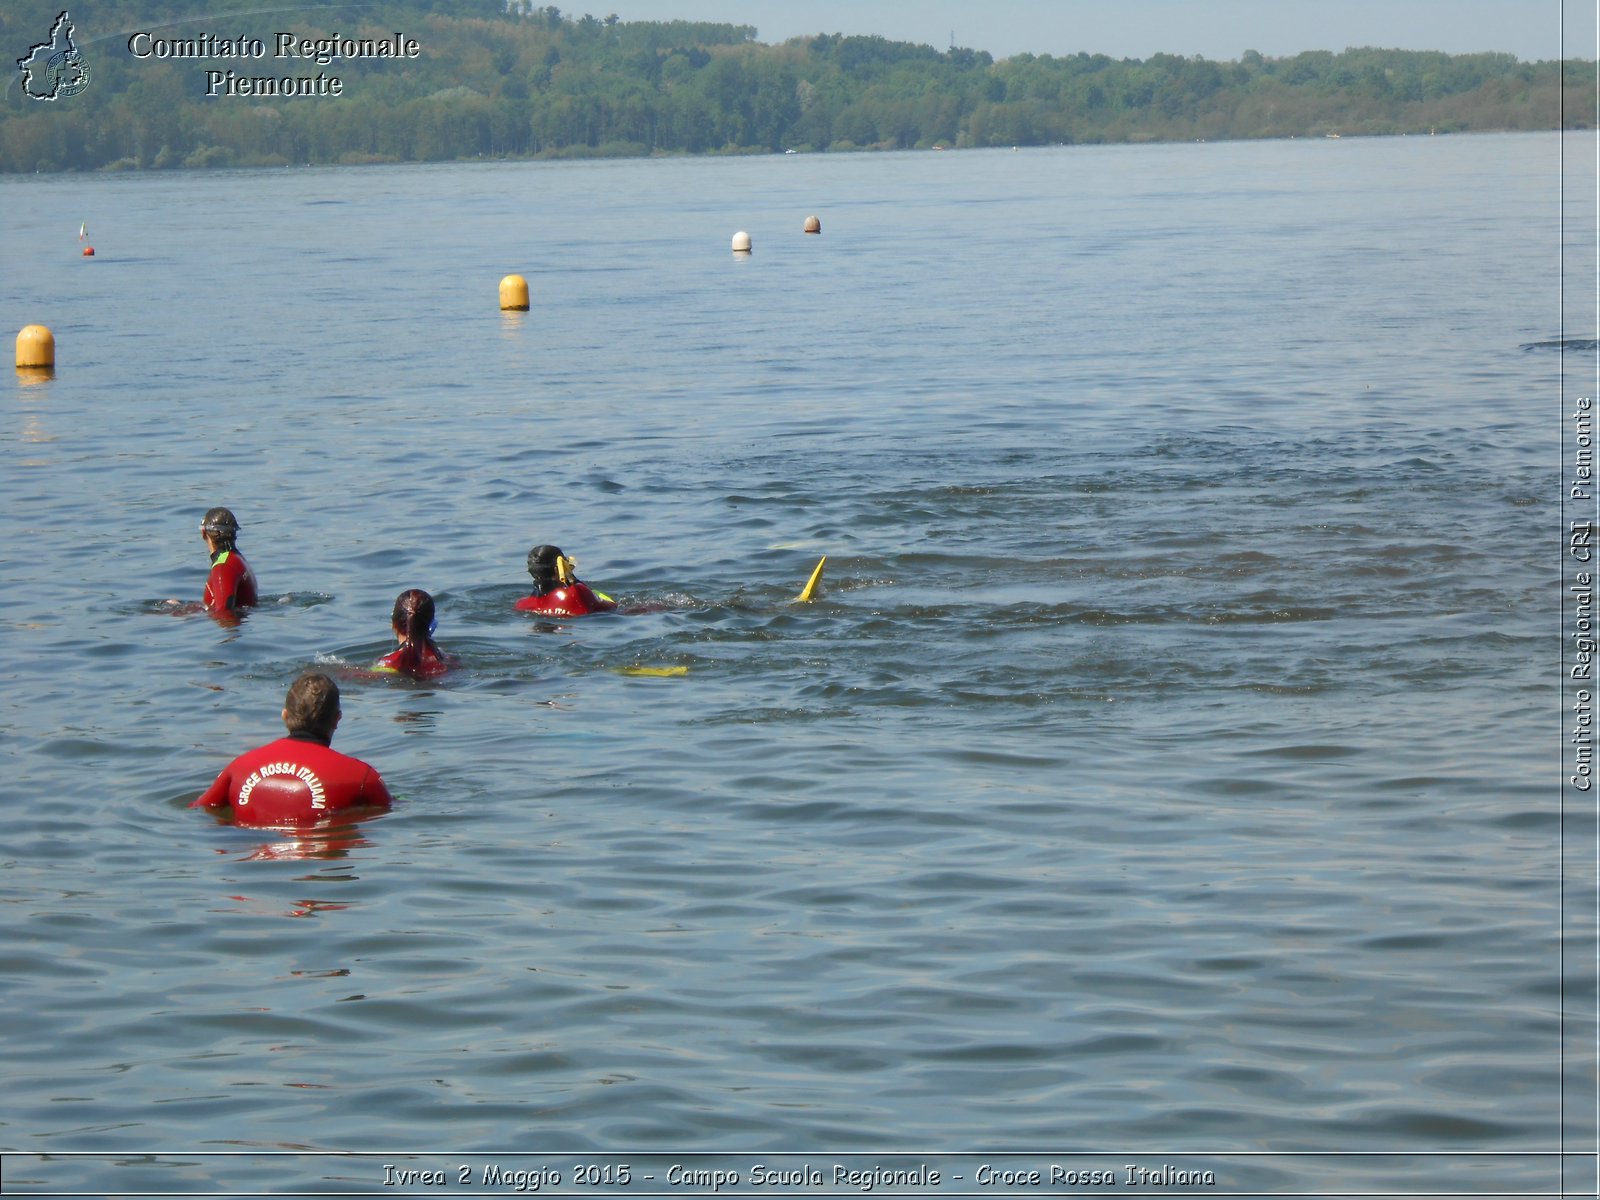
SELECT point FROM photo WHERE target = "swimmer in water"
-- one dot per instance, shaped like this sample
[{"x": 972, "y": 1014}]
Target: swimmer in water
[
  {"x": 231, "y": 586},
  {"x": 557, "y": 590},
  {"x": 301, "y": 777},
  {"x": 413, "y": 622}
]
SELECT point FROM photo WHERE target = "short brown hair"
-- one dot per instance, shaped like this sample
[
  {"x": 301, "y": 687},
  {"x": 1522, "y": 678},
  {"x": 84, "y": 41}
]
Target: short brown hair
[{"x": 312, "y": 705}]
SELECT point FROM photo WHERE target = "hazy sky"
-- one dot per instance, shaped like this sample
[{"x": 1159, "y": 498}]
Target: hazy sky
[{"x": 1215, "y": 29}]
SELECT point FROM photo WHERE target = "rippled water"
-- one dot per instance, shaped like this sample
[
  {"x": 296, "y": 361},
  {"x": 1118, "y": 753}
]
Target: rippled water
[{"x": 1170, "y": 764}]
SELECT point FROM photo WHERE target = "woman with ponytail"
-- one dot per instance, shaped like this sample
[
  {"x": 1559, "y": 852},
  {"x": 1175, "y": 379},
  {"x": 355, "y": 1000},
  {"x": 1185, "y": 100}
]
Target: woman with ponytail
[{"x": 418, "y": 656}]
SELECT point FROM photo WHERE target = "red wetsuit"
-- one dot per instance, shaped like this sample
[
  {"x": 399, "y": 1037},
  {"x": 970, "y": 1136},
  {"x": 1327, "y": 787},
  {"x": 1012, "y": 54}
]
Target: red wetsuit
[
  {"x": 231, "y": 584},
  {"x": 422, "y": 661},
  {"x": 293, "y": 780},
  {"x": 573, "y": 600}
]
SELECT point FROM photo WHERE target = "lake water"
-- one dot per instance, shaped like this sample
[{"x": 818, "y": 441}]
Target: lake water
[{"x": 1170, "y": 771}]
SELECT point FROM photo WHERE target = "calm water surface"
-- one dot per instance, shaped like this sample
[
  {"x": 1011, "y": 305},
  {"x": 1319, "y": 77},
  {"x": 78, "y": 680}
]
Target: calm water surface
[{"x": 1171, "y": 763}]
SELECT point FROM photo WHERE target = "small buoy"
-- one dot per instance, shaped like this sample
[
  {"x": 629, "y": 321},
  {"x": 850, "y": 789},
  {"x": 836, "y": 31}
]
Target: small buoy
[
  {"x": 88, "y": 251},
  {"x": 36, "y": 347},
  {"x": 741, "y": 242},
  {"x": 514, "y": 293},
  {"x": 813, "y": 225}
]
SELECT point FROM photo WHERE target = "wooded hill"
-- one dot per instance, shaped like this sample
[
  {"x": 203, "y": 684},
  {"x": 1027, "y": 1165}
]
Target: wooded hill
[{"x": 498, "y": 81}]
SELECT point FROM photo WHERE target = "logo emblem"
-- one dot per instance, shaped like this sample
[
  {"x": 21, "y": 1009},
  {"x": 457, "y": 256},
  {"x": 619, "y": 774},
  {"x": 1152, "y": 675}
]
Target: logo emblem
[{"x": 55, "y": 68}]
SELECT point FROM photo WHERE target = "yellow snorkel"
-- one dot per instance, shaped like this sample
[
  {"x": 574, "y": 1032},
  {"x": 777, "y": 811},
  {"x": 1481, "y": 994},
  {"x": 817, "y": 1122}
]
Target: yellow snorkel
[
  {"x": 809, "y": 592},
  {"x": 567, "y": 574}
]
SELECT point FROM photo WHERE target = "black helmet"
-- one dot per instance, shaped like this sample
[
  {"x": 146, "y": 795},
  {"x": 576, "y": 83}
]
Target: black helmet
[
  {"x": 542, "y": 560},
  {"x": 544, "y": 566},
  {"x": 219, "y": 520}
]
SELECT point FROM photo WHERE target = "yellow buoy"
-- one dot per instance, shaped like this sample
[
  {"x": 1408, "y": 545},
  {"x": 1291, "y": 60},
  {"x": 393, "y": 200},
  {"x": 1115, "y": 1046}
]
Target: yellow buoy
[
  {"x": 813, "y": 225},
  {"x": 741, "y": 242},
  {"x": 36, "y": 347},
  {"x": 655, "y": 672},
  {"x": 809, "y": 592},
  {"x": 514, "y": 293}
]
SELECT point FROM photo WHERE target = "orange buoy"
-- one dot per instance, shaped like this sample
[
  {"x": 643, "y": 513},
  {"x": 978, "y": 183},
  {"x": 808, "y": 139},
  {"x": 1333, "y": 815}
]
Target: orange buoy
[{"x": 88, "y": 251}]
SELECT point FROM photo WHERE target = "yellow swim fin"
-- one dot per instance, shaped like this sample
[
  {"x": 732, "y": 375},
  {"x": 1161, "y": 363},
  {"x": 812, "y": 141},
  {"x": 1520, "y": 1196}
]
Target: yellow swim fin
[
  {"x": 809, "y": 592},
  {"x": 655, "y": 672}
]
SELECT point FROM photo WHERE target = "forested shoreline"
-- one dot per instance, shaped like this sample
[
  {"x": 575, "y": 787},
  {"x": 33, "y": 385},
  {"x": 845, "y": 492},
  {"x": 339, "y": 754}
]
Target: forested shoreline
[{"x": 523, "y": 81}]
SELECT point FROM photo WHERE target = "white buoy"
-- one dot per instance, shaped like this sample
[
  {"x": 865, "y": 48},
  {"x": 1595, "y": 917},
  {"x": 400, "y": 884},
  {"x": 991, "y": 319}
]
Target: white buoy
[
  {"x": 741, "y": 242},
  {"x": 813, "y": 225}
]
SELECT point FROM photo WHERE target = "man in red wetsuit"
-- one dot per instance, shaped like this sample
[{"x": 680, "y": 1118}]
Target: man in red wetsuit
[
  {"x": 298, "y": 778},
  {"x": 557, "y": 590},
  {"x": 231, "y": 584}
]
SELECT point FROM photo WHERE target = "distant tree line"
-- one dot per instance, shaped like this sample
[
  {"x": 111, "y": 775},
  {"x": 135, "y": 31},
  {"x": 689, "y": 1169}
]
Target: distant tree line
[{"x": 516, "y": 80}]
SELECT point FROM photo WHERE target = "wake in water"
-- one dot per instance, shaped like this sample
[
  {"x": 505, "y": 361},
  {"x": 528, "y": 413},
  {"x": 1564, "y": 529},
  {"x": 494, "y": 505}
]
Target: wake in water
[
  {"x": 1575, "y": 345},
  {"x": 173, "y": 607}
]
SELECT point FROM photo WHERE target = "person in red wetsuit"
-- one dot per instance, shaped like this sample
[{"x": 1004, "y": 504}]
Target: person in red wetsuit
[
  {"x": 557, "y": 591},
  {"x": 414, "y": 621},
  {"x": 299, "y": 778},
  {"x": 231, "y": 586}
]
